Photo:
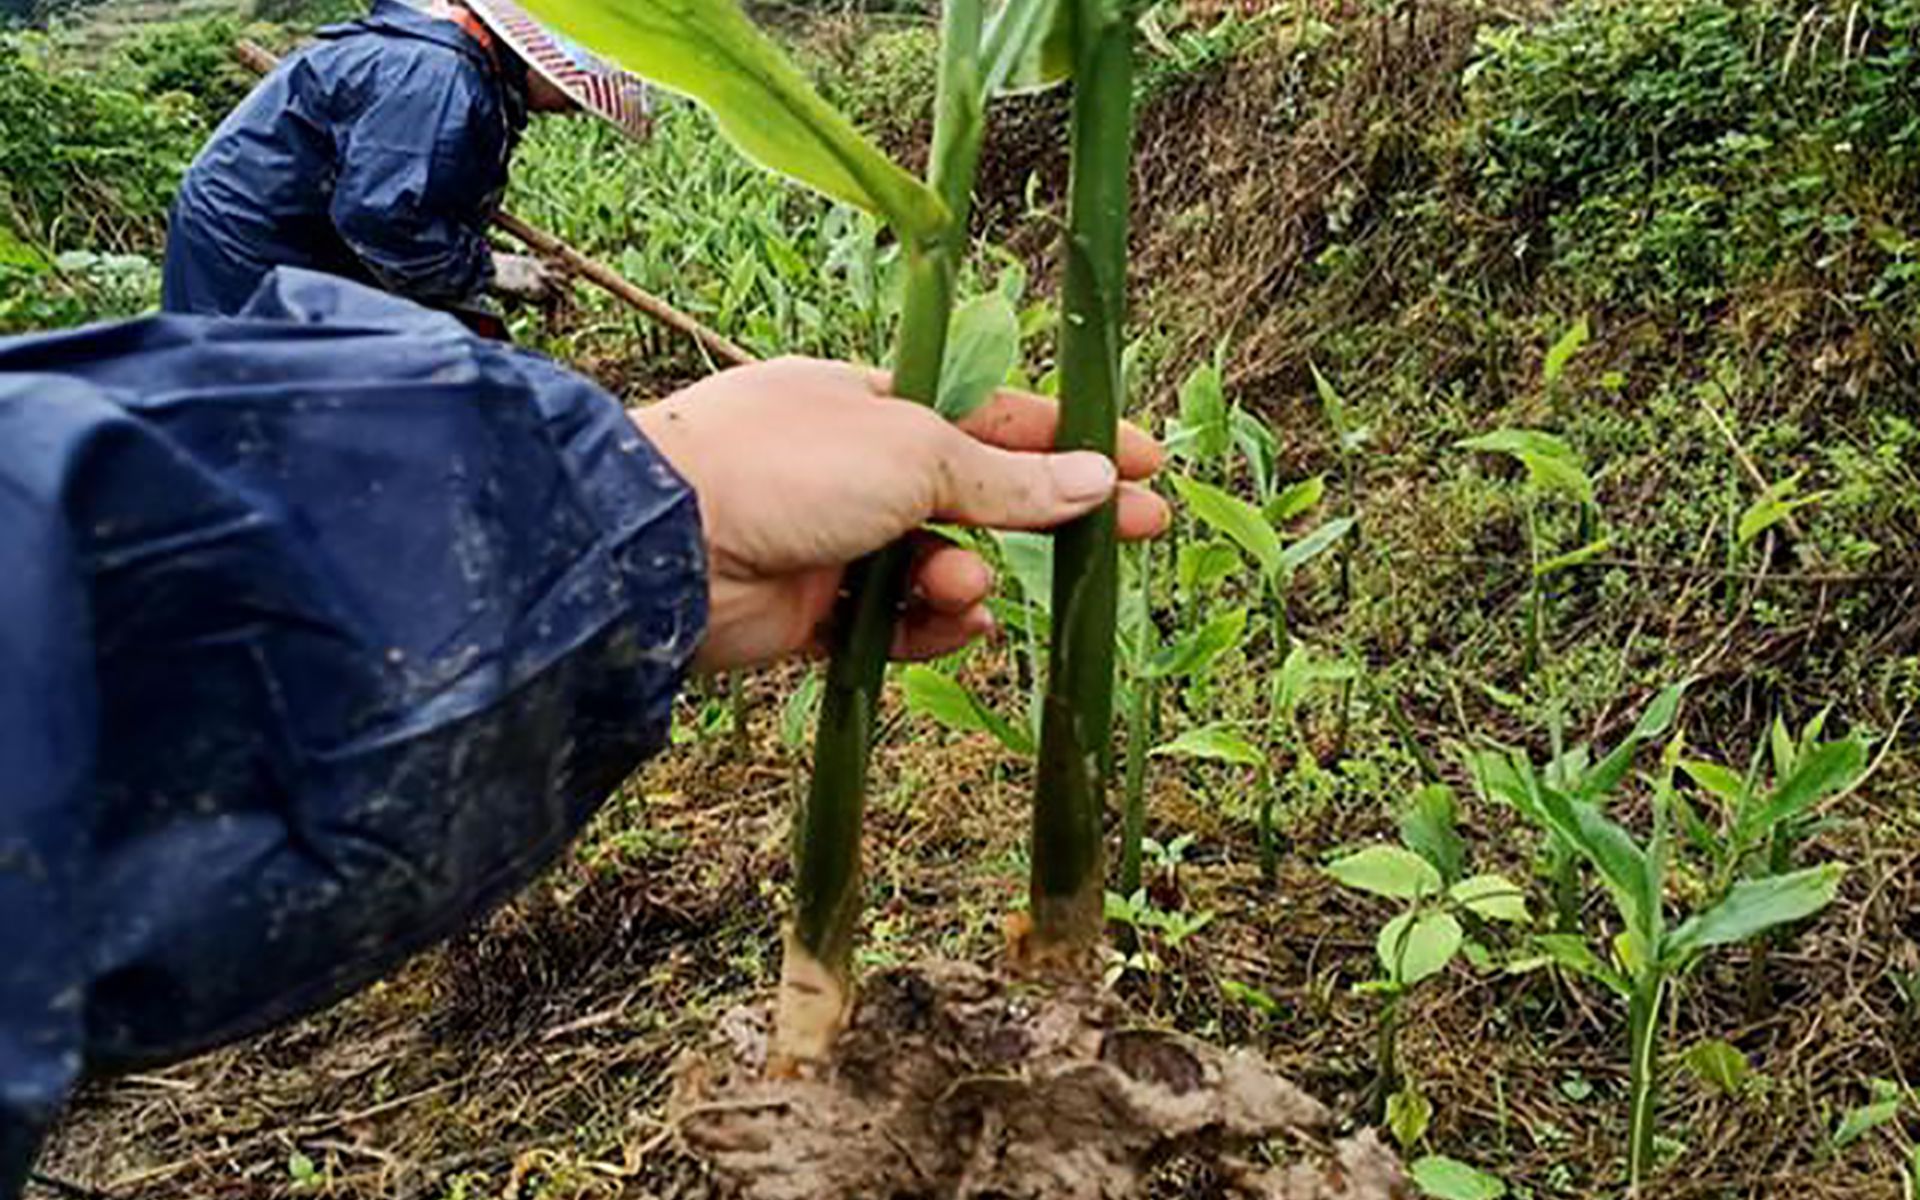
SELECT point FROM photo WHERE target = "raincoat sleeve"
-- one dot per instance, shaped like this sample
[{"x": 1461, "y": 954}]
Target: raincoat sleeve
[
  {"x": 322, "y": 630},
  {"x": 421, "y": 167},
  {"x": 47, "y": 744}
]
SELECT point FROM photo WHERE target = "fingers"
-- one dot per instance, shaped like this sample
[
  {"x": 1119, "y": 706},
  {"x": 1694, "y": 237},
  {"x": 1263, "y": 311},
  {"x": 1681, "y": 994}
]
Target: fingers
[
  {"x": 947, "y": 612},
  {"x": 977, "y": 484},
  {"x": 1141, "y": 514},
  {"x": 923, "y": 634},
  {"x": 1022, "y": 421},
  {"x": 1011, "y": 420},
  {"x": 950, "y": 580},
  {"x": 998, "y": 474}
]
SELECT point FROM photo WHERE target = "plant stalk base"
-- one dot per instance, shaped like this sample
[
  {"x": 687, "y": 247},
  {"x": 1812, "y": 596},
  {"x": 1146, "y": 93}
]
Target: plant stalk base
[
  {"x": 810, "y": 1010},
  {"x": 954, "y": 1082}
]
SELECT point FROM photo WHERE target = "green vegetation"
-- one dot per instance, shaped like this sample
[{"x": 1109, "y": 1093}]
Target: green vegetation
[{"x": 1515, "y": 371}]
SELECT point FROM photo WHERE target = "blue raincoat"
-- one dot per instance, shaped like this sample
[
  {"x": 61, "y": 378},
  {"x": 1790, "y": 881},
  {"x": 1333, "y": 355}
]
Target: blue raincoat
[
  {"x": 321, "y": 631},
  {"x": 379, "y": 154}
]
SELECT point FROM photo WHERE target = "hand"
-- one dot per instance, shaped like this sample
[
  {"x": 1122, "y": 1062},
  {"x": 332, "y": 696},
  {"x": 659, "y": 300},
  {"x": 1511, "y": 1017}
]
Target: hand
[
  {"x": 802, "y": 467},
  {"x": 524, "y": 277}
]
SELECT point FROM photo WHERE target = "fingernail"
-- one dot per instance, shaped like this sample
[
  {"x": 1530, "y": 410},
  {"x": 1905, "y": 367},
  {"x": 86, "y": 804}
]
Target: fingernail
[{"x": 1084, "y": 475}]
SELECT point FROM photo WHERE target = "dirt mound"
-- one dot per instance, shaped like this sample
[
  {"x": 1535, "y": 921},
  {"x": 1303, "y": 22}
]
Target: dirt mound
[{"x": 954, "y": 1082}]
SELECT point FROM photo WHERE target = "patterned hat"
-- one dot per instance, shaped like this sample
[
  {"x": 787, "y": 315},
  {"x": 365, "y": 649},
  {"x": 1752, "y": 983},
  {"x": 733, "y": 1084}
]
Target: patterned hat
[{"x": 589, "y": 81}]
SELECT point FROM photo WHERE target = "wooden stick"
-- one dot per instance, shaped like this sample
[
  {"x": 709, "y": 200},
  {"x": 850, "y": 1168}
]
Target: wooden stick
[
  {"x": 1740, "y": 451},
  {"x": 260, "y": 60},
  {"x": 544, "y": 243}
]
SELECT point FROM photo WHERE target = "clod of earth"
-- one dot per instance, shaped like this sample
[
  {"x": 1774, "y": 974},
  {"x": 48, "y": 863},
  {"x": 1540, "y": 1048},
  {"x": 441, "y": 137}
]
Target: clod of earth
[{"x": 954, "y": 1082}]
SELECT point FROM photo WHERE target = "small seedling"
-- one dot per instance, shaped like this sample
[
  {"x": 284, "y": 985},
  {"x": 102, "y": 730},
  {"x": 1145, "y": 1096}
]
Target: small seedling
[
  {"x": 1511, "y": 778},
  {"x": 1553, "y": 468},
  {"x": 1887, "y": 1099},
  {"x": 1764, "y": 818},
  {"x": 1643, "y": 961},
  {"x": 1260, "y": 537},
  {"x": 1424, "y": 873},
  {"x": 1444, "y": 1178}
]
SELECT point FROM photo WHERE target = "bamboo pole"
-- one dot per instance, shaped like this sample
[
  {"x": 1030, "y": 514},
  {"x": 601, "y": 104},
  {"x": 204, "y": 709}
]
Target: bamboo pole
[
  {"x": 1076, "y": 735},
  {"x": 816, "y": 986},
  {"x": 260, "y": 60}
]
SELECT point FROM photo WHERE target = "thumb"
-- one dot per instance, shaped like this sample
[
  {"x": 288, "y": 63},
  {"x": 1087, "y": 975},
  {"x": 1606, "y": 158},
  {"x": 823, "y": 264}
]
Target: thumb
[{"x": 1004, "y": 489}]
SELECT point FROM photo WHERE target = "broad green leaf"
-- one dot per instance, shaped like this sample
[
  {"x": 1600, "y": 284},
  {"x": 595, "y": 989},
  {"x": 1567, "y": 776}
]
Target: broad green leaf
[
  {"x": 1202, "y": 566},
  {"x": 1234, "y": 519},
  {"x": 1816, "y": 726},
  {"x": 1568, "y": 769},
  {"x": 1753, "y": 906},
  {"x": 1612, "y": 851},
  {"x": 1408, "y": 1115},
  {"x": 1258, "y": 444},
  {"x": 1305, "y": 670},
  {"x": 796, "y": 715},
  {"x": 1387, "y": 871},
  {"x": 1331, "y": 402},
  {"x": 1028, "y": 46},
  {"x": 1195, "y": 652},
  {"x": 709, "y": 50},
  {"x": 1205, "y": 434},
  {"x": 1859, "y": 1122},
  {"x": 1828, "y": 770},
  {"x": 1630, "y": 950},
  {"x": 1215, "y": 743},
  {"x": 1719, "y": 1065},
  {"x": 1138, "y": 636},
  {"x": 1494, "y": 897},
  {"x": 1126, "y": 909},
  {"x": 1029, "y": 559},
  {"x": 1573, "y": 558},
  {"x": 933, "y": 693},
  {"x": 1572, "y": 952},
  {"x": 1250, "y": 996},
  {"x": 16, "y": 253},
  {"x": 1718, "y": 781},
  {"x": 1505, "y": 777},
  {"x": 301, "y": 1170},
  {"x": 1314, "y": 544},
  {"x": 1416, "y": 946},
  {"x": 1653, "y": 724},
  {"x": 1295, "y": 499},
  {"x": 1444, "y": 1178},
  {"x": 983, "y": 343},
  {"x": 1552, "y": 465},
  {"x": 1775, "y": 505},
  {"x": 1430, "y": 827},
  {"x": 1784, "y": 749},
  {"x": 1561, "y": 352}
]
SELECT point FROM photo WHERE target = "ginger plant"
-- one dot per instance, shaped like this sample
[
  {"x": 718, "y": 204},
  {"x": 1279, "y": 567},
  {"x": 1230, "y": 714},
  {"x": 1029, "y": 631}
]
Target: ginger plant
[
  {"x": 1091, "y": 43},
  {"x": 710, "y": 51},
  {"x": 1650, "y": 955}
]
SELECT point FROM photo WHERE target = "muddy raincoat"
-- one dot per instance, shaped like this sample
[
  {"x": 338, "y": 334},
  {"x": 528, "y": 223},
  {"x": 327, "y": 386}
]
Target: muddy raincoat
[
  {"x": 379, "y": 154},
  {"x": 321, "y": 631}
]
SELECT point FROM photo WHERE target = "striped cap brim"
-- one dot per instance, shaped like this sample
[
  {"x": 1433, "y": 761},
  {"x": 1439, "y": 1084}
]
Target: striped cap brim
[{"x": 614, "y": 95}]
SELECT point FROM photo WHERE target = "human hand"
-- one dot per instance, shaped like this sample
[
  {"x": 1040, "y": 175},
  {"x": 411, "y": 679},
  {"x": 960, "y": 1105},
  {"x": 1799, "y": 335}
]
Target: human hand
[
  {"x": 525, "y": 277},
  {"x": 803, "y": 466}
]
